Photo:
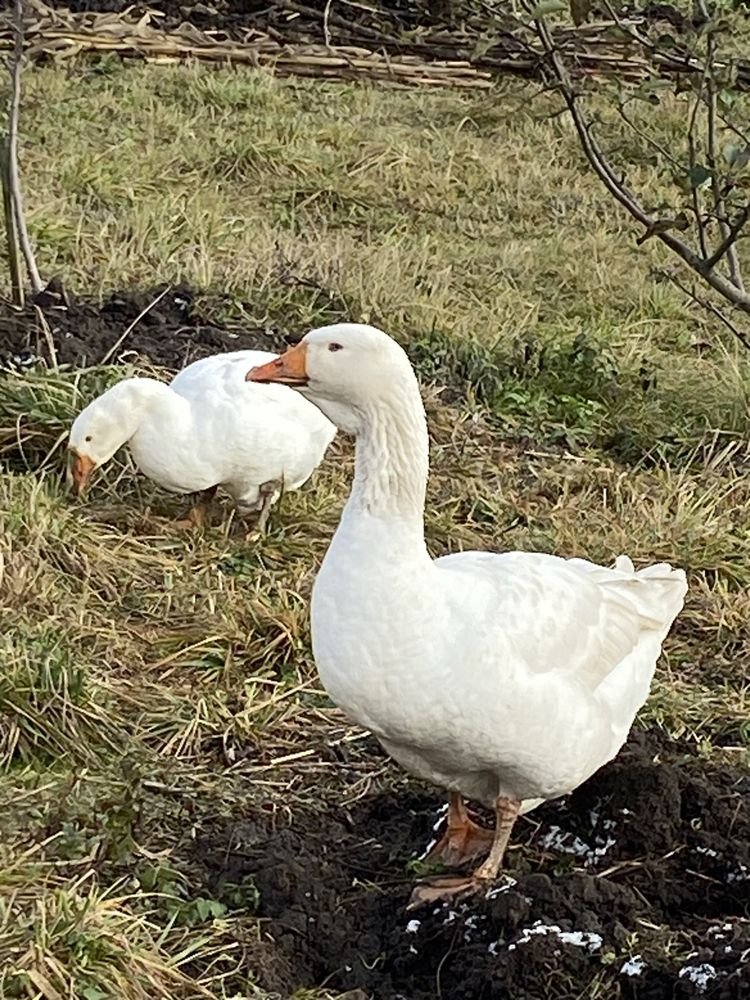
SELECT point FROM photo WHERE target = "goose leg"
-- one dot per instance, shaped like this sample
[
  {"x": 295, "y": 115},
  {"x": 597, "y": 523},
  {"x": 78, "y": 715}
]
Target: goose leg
[
  {"x": 198, "y": 512},
  {"x": 269, "y": 494},
  {"x": 455, "y": 887},
  {"x": 463, "y": 838}
]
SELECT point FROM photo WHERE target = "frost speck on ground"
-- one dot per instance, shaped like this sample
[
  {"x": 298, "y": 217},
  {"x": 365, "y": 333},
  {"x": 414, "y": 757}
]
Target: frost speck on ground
[
  {"x": 634, "y": 966},
  {"x": 699, "y": 975},
  {"x": 557, "y": 839},
  {"x": 440, "y": 814},
  {"x": 741, "y": 875},
  {"x": 708, "y": 851},
  {"x": 508, "y": 883}
]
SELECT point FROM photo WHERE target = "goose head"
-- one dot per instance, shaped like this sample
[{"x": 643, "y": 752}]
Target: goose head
[
  {"x": 102, "y": 428},
  {"x": 348, "y": 370}
]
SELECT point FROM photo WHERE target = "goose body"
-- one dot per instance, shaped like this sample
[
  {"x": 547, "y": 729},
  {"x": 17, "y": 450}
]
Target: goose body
[
  {"x": 508, "y": 678},
  {"x": 513, "y": 675},
  {"x": 208, "y": 428}
]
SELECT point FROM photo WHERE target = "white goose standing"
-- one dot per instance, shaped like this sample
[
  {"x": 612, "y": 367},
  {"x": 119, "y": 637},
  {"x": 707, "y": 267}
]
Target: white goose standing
[
  {"x": 207, "y": 429},
  {"x": 506, "y": 678}
]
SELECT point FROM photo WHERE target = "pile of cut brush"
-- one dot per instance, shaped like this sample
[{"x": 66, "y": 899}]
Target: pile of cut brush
[{"x": 451, "y": 43}]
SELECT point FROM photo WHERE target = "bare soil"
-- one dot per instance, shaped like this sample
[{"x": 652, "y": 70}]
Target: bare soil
[
  {"x": 171, "y": 334},
  {"x": 646, "y": 867}
]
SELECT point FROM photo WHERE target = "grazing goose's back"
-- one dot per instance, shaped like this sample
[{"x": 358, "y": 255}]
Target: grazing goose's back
[
  {"x": 240, "y": 436},
  {"x": 207, "y": 428}
]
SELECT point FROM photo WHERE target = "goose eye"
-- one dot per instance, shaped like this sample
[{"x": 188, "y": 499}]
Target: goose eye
[
  {"x": 87, "y": 438},
  {"x": 335, "y": 347}
]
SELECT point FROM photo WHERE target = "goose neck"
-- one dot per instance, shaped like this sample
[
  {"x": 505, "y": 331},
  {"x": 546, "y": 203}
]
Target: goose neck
[{"x": 392, "y": 459}]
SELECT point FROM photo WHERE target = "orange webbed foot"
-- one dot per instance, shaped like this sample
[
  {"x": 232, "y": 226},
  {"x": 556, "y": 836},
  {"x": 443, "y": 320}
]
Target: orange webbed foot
[{"x": 463, "y": 839}]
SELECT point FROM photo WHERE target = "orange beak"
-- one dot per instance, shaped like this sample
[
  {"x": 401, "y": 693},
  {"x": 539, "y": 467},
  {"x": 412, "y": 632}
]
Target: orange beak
[
  {"x": 81, "y": 470},
  {"x": 289, "y": 368}
]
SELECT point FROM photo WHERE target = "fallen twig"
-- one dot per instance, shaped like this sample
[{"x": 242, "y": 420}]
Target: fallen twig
[{"x": 128, "y": 330}]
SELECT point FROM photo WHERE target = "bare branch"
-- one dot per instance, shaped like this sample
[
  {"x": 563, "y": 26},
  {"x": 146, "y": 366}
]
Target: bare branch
[
  {"x": 710, "y": 307},
  {"x": 692, "y": 161},
  {"x": 730, "y": 249},
  {"x": 649, "y": 140},
  {"x": 731, "y": 127},
  {"x": 731, "y": 232},
  {"x": 618, "y": 189},
  {"x": 16, "y": 281},
  {"x": 13, "y": 176}
]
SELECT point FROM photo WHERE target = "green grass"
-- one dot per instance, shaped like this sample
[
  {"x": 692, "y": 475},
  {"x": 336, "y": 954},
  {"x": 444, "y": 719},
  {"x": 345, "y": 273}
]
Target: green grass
[{"x": 569, "y": 408}]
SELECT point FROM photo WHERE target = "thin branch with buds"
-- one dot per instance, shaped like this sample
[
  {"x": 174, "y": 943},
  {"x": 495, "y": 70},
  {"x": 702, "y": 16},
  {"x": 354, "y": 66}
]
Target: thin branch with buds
[
  {"x": 703, "y": 263},
  {"x": 728, "y": 243},
  {"x": 709, "y": 307}
]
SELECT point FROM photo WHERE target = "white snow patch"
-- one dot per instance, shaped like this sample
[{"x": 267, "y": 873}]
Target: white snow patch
[
  {"x": 581, "y": 939},
  {"x": 559, "y": 840},
  {"x": 413, "y": 926},
  {"x": 633, "y": 967},
  {"x": 470, "y": 925},
  {"x": 699, "y": 975},
  {"x": 719, "y": 932}
]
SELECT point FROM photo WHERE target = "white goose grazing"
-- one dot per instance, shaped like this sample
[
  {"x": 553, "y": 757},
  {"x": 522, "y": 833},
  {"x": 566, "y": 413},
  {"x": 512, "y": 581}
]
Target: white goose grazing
[
  {"x": 506, "y": 678},
  {"x": 207, "y": 429}
]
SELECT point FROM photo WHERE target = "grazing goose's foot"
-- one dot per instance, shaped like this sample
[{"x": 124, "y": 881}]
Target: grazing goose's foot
[
  {"x": 457, "y": 887},
  {"x": 463, "y": 838},
  {"x": 198, "y": 513}
]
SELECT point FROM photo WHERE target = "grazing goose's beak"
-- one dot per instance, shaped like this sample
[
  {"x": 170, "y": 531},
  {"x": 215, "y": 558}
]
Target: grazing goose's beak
[
  {"x": 288, "y": 369},
  {"x": 81, "y": 470}
]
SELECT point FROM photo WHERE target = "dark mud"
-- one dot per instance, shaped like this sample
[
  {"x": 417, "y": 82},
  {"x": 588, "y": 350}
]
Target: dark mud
[
  {"x": 638, "y": 886},
  {"x": 170, "y": 334}
]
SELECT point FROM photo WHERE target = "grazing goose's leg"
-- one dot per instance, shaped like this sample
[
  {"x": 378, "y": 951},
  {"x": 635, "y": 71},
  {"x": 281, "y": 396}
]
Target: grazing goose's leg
[
  {"x": 196, "y": 516},
  {"x": 463, "y": 838},
  {"x": 434, "y": 890},
  {"x": 268, "y": 494}
]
